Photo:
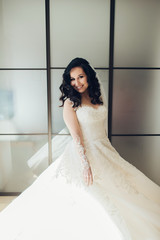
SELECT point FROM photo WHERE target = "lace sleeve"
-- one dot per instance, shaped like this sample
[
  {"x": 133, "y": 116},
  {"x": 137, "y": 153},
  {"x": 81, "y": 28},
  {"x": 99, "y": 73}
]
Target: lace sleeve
[
  {"x": 81, "y": 151},
  {"x": 72, "y": 123}
]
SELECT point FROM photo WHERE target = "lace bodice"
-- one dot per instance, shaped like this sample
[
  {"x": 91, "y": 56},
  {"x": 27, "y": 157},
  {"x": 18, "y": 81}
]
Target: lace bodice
[{"x": 92, "y": 122}]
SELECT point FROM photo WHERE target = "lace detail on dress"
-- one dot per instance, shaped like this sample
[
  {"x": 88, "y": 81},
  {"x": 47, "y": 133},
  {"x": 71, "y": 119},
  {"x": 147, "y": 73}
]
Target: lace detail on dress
[
  {"x": 82, "y": 154},
  {"x": 70, "y": 166},
  {"x": 103, "y": 158},
  {"x": 94, "y": 113},
  {"x": 98, "y": 153},
  {"x": 119, "y": 171}
]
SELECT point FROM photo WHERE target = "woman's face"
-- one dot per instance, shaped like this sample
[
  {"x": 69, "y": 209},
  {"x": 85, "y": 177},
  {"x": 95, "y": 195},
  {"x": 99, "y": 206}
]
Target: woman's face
[{"x": 78, "y": 79}]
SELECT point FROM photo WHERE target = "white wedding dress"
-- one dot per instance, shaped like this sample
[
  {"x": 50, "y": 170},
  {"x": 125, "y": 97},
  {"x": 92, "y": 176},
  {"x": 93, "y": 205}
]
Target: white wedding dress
[{"x": 122, "y": 203}]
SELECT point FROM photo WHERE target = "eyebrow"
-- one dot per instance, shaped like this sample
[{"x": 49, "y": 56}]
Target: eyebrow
[{"x": 78, "y": 75}]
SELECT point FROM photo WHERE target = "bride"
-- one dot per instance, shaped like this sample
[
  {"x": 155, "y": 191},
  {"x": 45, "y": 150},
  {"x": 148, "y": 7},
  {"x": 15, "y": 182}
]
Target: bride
[{"x": 90, "y": 191}]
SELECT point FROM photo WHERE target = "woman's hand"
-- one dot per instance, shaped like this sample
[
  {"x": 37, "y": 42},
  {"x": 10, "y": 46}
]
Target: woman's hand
[{"x": 88, "y": 177}]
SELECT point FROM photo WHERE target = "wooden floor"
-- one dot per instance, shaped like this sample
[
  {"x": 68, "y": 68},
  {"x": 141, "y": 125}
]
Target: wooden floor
[{"x": 5, "y": 200}]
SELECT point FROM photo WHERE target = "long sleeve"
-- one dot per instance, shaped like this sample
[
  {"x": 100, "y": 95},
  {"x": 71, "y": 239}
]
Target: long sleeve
[{"x": 72, "y": 123}]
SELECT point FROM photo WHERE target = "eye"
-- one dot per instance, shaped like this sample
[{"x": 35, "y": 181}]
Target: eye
[
  {"x": 81, "y": 76},
  {"x": 72, "y": 79}
]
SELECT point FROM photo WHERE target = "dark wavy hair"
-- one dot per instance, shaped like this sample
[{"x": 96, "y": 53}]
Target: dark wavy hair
[{"x": 93, "y": 85}]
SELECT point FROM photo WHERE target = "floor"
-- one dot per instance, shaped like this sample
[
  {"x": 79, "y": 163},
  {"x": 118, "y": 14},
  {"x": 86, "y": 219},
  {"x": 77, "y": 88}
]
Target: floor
[{"x": 5, "y": 200}]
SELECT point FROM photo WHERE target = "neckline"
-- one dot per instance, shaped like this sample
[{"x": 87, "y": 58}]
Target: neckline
[{"x": 89, "y": 106}]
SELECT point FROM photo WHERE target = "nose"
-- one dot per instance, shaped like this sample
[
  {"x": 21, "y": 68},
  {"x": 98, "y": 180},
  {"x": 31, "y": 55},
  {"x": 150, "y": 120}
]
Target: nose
[{"x": 77, "y": 83}]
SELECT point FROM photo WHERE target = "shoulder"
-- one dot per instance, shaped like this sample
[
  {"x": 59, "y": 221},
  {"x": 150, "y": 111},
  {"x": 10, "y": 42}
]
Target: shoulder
[{"x": 68, "y": 104}]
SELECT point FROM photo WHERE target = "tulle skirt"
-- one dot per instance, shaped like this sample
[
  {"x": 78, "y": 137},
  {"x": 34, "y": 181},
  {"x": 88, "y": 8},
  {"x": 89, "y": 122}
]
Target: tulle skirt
[{"x": 122, "y": 203}]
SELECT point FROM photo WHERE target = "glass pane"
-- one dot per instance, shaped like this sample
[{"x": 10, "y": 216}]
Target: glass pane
[
  {"x": 137, "y": 34},
  {"x": 23, "y": 102},
  {"x": 59, "y": 143},
  {"x": 57, "y": 112},
  {"x": 136, "y": 102},
  {"x": 142, "y": 152},
  {"x": 22, "y": 28},
  {"x": 103, "y": 77},
  {"x": 80, "y": 29},
  {"x": 57, "y": 119},
  {"x": 19, "y": 166}
]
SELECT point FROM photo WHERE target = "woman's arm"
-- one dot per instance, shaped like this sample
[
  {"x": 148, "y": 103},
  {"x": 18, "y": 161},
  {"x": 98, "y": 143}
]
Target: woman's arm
[{"x": 72, "y": 123}]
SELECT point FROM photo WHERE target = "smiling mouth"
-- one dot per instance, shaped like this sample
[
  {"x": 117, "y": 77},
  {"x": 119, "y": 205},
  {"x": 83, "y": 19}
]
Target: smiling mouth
[{"x": 78, "y": 88}]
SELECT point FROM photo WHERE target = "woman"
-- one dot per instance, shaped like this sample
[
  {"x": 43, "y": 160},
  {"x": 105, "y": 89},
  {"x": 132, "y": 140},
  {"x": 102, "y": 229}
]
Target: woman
[{"x": 89, "y": 192}]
